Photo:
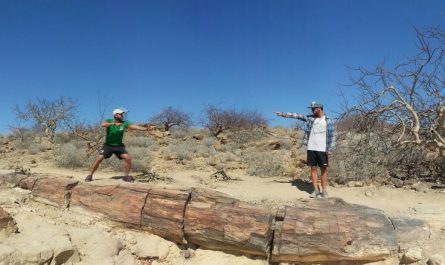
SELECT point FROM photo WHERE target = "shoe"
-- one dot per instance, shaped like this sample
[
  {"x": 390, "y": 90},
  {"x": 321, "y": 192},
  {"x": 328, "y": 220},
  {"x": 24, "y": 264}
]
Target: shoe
[
  {"x": 128, "y": 179},
  {"x": 89, "y": 178},
  {"x": 324, "y": 194},
  {"x": 314, "y": 194}
]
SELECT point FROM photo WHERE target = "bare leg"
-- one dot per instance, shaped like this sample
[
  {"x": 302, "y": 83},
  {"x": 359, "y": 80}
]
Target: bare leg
[
  {"x": 314, "y": 176},
  {"x": 324, "y": 178},
  {"x": 96, "y": 163},
  {"x": 127, "y": 164}
]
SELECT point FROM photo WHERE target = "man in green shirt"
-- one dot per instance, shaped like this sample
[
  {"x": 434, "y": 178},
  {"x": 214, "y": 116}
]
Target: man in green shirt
[{"x": 113, "y": 143}]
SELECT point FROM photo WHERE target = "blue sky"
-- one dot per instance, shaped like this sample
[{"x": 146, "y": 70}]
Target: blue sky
[{"x": 146, "y": 55}]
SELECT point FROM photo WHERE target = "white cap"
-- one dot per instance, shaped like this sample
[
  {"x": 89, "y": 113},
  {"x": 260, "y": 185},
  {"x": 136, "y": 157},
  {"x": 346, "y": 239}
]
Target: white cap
[{"x": 119, "y": 111}]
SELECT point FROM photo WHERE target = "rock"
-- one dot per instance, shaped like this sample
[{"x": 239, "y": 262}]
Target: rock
[
  {"x": 341, "y": 231},
  {"x": 8, "y": 225},
  {"x": 94, "y": 245},
  {"x": 186, "y": 253},
  {"x": 420, "y": 187},
  {"x": 147, "y": 247},
  {"x": 198, "y": 137},
  {"x": 274, "y": 145},
  {"x": 398, "y": 183},
  {"x": 46, "y": 240},
  {"x": 7, "y": 254},
  {"x": 428, "y": 209},
  {"x": 412, "y": 255},
  {"x": 353, "y": 184},
  {"x": 436, "y": 259},
  {"x": 369, "y": 193}
]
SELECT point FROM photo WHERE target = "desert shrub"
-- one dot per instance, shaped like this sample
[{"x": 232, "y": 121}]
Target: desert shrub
[
  {"x": 179, "y": 133},
  {"x": 63, "y": 138},
  {"x": 264, "y": 164},
  {"x": 208, "y": 142},
  {"x": 371, "y": 156},
  {"x": 36, "y": 148},
  {"x": 183, "y": 150},
  {"x": 286, "y": 144},
  {"x": 141, "y": 141},
  {"x": 205, "y": 151},
  {"x": 243, "y": 137},
  {"x": 70, "y": 156},
  {"x": 23, "y": 140},
  {"x": 140, "y": 158}
]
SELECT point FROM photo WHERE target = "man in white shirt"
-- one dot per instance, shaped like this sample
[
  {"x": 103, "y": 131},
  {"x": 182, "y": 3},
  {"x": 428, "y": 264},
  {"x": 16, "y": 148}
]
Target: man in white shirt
[{"x": 319, "y": 139}]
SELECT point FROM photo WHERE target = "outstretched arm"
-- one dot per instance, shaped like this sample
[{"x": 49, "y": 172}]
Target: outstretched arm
[{"x": 291, "y": 115}]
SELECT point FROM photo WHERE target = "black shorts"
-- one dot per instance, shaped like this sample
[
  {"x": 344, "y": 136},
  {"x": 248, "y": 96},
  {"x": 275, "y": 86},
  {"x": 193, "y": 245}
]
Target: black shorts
[
  {"x": 108, "y": 150},
  {"x": 316, "y": 158}
]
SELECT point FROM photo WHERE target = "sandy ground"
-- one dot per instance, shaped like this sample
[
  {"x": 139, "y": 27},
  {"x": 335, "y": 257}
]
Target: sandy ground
[{"x": 272, "y": 192}]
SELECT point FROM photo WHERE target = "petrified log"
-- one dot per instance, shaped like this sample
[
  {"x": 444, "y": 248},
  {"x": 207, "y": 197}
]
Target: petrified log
[
  {"x": 215, "y": 221},
  {"x": 7, "y": 224},
  {"x": 410, "y": 232},
  {"x": 28, "y": 182},
  {"x": 163, "y": 213},
  {"x": 54, "y": 190},
  {"x": 12, "y": 179},
  {"x": 122, "y": 204},
  {"x": 333, "y": 230}
]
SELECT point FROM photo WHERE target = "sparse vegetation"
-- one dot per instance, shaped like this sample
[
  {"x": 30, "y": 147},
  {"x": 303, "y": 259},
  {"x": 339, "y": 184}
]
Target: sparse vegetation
[{"x": 170, "y": 117}]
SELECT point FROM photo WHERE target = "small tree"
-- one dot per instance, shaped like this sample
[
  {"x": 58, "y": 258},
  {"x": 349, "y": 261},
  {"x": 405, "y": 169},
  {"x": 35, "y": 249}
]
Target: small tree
[
  {"x": 47, "y": 115},
  {"x": 399, "y": 116},
  {"x": 408, "y": 98},
  {"x": 170, "y": 117},
  {"x": 218, "y": 120}
]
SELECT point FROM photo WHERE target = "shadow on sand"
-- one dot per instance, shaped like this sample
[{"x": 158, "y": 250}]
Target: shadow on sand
[{"x": 300, "y": 184}]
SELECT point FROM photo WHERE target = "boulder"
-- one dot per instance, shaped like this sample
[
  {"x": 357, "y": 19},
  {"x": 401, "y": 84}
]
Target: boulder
[
  {"x": 412, "y": 255},
  {"x": 436, "y": 259}
]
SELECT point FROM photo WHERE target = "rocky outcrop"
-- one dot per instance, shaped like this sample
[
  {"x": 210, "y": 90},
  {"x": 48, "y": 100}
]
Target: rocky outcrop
[{"x": 313, "y": 231}]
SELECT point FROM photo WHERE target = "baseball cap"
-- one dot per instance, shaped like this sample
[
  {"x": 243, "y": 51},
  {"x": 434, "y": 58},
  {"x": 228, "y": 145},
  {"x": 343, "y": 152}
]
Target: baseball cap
[
  {"x": 119, "y": 111},
  {"x": 315, "y": 104}
]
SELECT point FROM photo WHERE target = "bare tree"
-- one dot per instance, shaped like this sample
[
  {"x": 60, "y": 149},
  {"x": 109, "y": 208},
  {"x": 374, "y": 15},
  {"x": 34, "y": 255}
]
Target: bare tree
[
  {"x": 408, "y": 99},
  {"x": 46, "y": 114},
  {"x": 170, "y": 117},
  {"x": 91, "y": 133},
  {"x": 218, "y": 120}
]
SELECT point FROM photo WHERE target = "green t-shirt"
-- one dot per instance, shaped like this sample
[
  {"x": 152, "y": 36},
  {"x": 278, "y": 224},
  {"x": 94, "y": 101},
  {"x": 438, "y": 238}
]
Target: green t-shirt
[{"x": 115, "y": 133}]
